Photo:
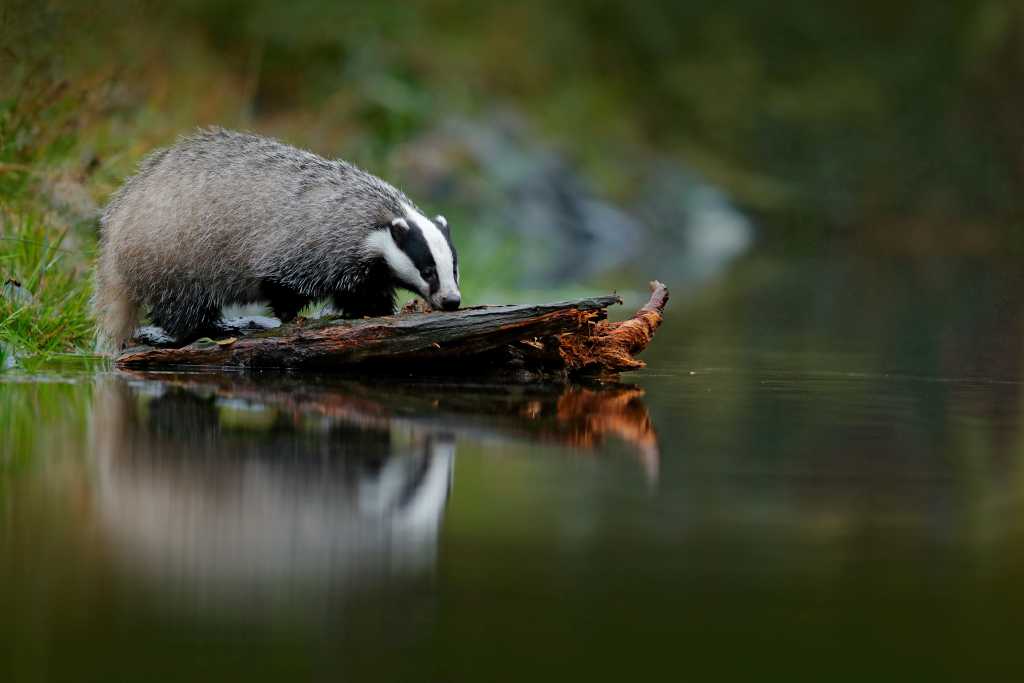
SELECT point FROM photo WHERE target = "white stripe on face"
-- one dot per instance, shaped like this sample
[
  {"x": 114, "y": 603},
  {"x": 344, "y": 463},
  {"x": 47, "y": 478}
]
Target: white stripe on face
[{"x": 441, "y": 252}]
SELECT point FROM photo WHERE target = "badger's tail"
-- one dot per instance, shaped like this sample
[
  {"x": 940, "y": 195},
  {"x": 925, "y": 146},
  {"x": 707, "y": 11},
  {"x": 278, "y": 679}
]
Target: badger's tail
[{"x": 116, "y": 310}]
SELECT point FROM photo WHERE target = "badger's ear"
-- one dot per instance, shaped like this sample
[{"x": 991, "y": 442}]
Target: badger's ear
[
  {"x": 442, "y": 221},
  {"x": 399, "y": 229}
]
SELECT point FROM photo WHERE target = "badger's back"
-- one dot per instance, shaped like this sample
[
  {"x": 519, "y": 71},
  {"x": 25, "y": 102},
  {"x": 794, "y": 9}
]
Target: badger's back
[
  {"x": 212, "y": 216},
  {"x": 224, "y": 207}
]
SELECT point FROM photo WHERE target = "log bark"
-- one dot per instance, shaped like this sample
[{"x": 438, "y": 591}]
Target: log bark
[{"x": 565, "y": 338}]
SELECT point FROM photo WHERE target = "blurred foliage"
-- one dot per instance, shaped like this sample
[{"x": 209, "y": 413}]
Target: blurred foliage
[
  {"x": 839, "y": 114},
  {"x": 855, "y": 115}
]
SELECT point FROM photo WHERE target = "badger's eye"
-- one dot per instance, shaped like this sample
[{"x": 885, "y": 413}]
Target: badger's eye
[{"x": 429, "y": 272}]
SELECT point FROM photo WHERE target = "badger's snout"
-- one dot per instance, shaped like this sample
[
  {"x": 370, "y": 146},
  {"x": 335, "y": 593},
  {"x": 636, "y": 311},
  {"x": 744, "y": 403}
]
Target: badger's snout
[{"x": 445, "y": 301}]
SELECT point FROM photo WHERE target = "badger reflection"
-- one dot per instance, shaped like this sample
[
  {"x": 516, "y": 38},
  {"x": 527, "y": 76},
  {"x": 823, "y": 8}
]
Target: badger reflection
[
  {"x": 233, "y": 486},
  {"x": 230, "y": 497}
]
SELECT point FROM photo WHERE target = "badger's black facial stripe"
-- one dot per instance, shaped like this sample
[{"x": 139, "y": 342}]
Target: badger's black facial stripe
[{"x": 414, "y": 244}]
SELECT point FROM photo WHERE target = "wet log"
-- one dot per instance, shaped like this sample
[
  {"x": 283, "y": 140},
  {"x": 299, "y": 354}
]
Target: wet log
[{"x": 565, "y": 338}]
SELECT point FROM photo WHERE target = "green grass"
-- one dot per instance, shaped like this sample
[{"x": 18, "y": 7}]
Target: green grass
[
  {"x": 45, "y": 246},
  {"x": 44, "y": 310}
]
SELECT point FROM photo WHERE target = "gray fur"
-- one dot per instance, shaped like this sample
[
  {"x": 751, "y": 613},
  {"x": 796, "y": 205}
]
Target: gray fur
[{"x": 213, "y": 219}]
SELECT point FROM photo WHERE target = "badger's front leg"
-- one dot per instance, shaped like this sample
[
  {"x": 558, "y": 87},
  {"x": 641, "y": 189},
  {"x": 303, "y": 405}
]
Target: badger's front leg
[
  {"x": 365, "y": 304},
  {"x": 284, "y": 301}
]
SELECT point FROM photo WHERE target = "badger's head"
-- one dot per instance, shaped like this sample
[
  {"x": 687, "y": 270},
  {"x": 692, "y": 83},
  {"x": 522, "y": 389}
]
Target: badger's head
[{"x": 422, "y": 258}]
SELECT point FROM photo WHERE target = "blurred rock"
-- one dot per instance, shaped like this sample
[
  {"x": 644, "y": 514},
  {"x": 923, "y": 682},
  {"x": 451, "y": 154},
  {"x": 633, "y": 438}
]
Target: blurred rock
[
  {"x": 512, "y": 180},
  {"x": 698, "y": 230},
  {"x": 678, "y": 223}
]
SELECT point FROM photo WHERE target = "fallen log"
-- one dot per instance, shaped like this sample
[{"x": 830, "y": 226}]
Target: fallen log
[{"x": 560, "y": 339}]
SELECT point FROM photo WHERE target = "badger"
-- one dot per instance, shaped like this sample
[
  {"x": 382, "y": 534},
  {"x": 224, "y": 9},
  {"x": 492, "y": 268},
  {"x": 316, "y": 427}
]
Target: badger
[{"x": 223, "y": 217}]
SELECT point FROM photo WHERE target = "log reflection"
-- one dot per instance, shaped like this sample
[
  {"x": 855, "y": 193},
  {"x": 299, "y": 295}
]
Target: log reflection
[
  {"x": 584, "y": 417},
  {"x": 234, "y": 486}
]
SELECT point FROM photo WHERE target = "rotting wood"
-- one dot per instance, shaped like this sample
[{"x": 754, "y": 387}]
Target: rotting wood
[
  {"x": 612, "y": 346},
  {"x": 565, "y": 338}
]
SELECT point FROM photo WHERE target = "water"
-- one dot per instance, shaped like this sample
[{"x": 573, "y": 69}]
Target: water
[{"x": 818, "y": 477}]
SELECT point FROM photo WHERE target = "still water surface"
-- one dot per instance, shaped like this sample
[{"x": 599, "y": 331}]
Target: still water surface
[{"x": 819, "y": 477}]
